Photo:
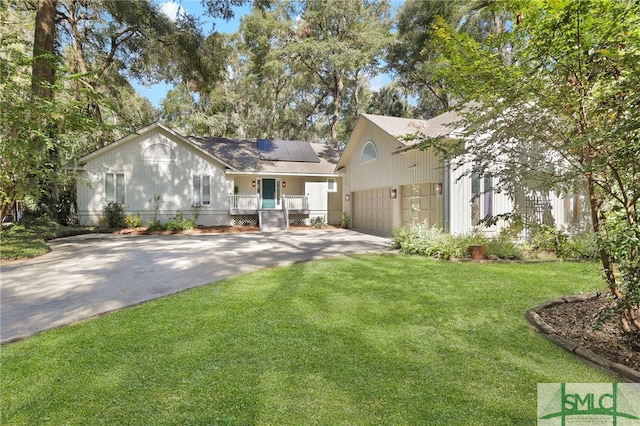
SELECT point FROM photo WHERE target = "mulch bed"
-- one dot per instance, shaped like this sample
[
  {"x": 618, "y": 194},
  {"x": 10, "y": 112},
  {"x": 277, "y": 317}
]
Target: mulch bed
[
  {"x": 208, "y": 230},
  {"x": 197, "y": 230},
  {"x": 577, "y": 322}
]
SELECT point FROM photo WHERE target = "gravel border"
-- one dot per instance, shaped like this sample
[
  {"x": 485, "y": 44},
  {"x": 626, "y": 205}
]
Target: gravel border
[{"x": 532, "y": 315}]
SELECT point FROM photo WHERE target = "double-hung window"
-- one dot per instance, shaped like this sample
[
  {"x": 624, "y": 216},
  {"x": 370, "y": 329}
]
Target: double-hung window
[
  {"x": 481, "y": 198},
  {"x": 114, "y": 187},
  {"x": 201, "y": 190},
  {"x": 332, "y": 186}
]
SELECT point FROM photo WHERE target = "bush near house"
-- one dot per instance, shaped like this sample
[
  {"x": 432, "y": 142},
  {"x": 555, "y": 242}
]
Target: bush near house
[
  {"x": 180, "y": 223},
  {"x": 114, "y": 212},
  {"x": 433, "y": 242},
  {"x": 133, "y": 221},
  {"x": 552, "y": 240}
]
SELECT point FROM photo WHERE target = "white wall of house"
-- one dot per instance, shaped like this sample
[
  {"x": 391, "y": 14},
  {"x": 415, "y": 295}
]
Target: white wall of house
[
  {"x": 155, "y": 164},
  {"x": 318, "y": 199},
  {"x": 369, "y": 184},
  {"x": 414, "y": 174},
  {"x": 566, "y": 212},
  {"x": 466, "y": 210}
]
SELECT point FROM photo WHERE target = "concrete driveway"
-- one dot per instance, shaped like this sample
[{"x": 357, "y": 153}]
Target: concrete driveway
[{"x": 87, "y": 275}]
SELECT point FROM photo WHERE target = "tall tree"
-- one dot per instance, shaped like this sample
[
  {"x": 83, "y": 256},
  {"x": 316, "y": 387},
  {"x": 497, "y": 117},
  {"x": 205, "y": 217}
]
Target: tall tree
[
  {"x": 413, "y": 57},
  {"x": 389, "y": 100},
  {"x": 43, "y": 75},
  {"x": 563, "y": 112},
  {"x": 83, "y": 53},
  {"x": 334, "y": 41}
]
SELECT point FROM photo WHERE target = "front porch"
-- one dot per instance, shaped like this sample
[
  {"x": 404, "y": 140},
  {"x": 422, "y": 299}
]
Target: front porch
[{"x": 269, "y": 213}]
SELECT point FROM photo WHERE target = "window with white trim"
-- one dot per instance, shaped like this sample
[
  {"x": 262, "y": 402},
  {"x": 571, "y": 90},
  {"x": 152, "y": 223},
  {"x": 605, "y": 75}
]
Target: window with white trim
[
  {"x": 331, "y": 185},
  {"x": 481, "y": 198},
  {"x": 369, "y": 152},
  {"x": 201, "y": 190},
  {"x": 114, "y": 187}
]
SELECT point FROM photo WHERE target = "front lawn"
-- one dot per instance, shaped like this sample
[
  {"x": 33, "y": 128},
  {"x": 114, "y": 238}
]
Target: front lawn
[
  {"x": 22, "y": 241},
  {"x": 353, "y": 340}
]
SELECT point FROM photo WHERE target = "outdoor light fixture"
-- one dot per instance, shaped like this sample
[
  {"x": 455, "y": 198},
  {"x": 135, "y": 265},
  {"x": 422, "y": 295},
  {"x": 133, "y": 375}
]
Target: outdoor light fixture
[
  {"x": 393, "y": 193},
  {"x": 253, "y": 183},
  {"x": 284, "y": 184},
  {"x": 347, "y": 197},
  {"x": 437, "y": 188}
]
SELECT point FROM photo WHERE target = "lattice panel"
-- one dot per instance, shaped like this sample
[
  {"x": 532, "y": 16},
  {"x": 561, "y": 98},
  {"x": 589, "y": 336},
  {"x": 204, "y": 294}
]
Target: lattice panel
[
  {"x": 245, "y": 220},
  {"x": 297, "y": 220}
]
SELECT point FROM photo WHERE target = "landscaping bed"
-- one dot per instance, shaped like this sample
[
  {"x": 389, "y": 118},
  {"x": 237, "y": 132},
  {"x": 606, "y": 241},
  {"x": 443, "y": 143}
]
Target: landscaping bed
[
  {"x": 196, "y": 230},
  {"x": 577, "y": 322}
]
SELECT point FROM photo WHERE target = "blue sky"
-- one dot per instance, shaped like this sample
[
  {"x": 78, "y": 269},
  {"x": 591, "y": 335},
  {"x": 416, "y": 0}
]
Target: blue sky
[{"x": 157, "y": 92}]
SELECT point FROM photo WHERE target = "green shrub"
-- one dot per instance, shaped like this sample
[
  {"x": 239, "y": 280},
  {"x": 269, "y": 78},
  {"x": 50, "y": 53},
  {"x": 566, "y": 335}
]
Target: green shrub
[
  {"x": 133, "y": 221},
  {"x": 114, "y": 212},
  {"x": 433, "y": 242},
  {"x": 581, "y": 246},
  {"x": 156, "y": 225},
  {"x": 473, "y": 239},
  {"x": 319, "y": 222},
  {"x": 428, "y": 241},
  {"x": 504, "y": 248},
  {"x": 180, "y": 223},
  {"x": 549, "y": 239},
  {"x": 346, "y": 221}
]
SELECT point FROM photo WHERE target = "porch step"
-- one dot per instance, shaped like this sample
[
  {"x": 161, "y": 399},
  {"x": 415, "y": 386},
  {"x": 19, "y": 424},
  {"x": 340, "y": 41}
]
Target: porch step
[{"x": 272, "y": 220}]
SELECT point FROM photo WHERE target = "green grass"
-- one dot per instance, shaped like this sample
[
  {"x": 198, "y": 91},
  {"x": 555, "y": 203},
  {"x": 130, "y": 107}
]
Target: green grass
[
  {"x": 27, "y": 241},
  {"x": 353, "y": 340}
]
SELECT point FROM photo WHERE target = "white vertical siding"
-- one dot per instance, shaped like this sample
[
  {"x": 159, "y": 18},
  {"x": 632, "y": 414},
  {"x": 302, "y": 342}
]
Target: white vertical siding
[
  {"x": 389, "y": 171},
  {"x": 461, "y": 201},
  {"x": 170, "y": 179}
]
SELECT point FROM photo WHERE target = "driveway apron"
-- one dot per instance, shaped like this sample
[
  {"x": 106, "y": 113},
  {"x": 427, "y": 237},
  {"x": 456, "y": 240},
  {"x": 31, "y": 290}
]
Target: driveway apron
[{"x": 88, "y": 275}]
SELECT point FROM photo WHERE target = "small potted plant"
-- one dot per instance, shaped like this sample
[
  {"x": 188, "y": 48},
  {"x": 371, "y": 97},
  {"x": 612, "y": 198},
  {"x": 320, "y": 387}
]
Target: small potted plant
[{"x": 477, "y": 252}]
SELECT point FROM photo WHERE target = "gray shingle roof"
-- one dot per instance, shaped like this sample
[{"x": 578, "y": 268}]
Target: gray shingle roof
[
  {"x": 243, "y": 155},
  {"x": 440, "y": 126}
]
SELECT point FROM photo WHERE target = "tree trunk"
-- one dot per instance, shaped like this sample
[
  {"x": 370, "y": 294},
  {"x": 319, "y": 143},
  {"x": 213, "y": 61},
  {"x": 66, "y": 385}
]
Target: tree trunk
[
  {"x": 595, "y": 221},
  {"x": 337, "y": 103},
  {"x": 43, "y": 73}
]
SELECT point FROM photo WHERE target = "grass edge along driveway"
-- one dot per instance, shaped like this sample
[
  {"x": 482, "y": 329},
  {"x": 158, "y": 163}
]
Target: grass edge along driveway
[{"x": 352, "y": 340}]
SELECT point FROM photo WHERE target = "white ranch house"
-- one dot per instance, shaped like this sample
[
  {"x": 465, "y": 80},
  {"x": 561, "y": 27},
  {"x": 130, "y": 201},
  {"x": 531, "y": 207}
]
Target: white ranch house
[
  {"x": 156, "y": 172},
  {"x": 380, "y": 181}
]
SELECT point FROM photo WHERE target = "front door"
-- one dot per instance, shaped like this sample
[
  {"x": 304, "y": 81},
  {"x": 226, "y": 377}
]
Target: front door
[{"x": 268, "y": 193}]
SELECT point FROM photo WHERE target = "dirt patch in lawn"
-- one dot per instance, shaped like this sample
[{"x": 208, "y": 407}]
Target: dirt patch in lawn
[{"x": 577, "y": 322}]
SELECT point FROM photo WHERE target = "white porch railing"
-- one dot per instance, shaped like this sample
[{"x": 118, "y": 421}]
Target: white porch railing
[
  {"x": 296, "y": 202},
  {"x": 252, "y": 202},
  {"x": 244, "y": 202}
]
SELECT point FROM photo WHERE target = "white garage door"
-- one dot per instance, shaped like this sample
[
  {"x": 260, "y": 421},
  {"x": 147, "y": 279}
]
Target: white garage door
[{"x": 373, "y": 211}]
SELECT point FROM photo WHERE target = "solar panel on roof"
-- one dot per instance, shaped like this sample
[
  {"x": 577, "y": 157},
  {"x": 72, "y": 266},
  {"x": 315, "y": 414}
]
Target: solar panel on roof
[
  {"x": 265, "y": 148},
  {"x": 295, "y": 153},
  {"x": 309, "y": 154},
  {"x": 279, "y": 150}
]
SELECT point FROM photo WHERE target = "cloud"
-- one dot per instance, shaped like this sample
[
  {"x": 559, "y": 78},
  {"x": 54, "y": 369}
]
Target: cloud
[
  {"x": 379, "y": 81},
  {"x": 171, "y": 9}
]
